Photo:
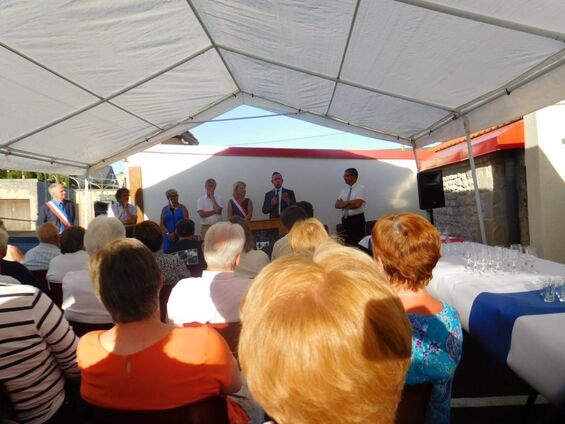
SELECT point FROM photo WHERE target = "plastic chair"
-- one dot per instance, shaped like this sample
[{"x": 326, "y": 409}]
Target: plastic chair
[
  {"x": 413, "y": 404},
  {"x": 212, "y": 410},
  {"x": 7, "y": 412},
  {"x": 55, "y": 292},
  {"x": 41, "y": 277},
  {"x": 163, "y": 299}
]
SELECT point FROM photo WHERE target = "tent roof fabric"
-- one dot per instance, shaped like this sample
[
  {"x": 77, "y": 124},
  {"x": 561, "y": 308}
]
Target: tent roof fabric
[{"x": 86, "y": 83}]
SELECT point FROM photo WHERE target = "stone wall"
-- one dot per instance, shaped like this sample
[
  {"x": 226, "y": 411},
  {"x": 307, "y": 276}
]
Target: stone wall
[{"x": 459, "y": 216}]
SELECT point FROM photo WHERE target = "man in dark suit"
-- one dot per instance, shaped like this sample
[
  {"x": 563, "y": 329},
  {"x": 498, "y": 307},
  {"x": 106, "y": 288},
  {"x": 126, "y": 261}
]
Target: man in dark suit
[
  {"x": 58, "y": 210},
  {"x": 278, "y": 199}
]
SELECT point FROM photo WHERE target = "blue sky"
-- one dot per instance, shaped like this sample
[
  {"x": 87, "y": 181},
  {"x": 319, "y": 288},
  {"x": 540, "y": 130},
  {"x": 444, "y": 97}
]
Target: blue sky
[
  {"x": 279, "y": 131},
  {"x": 276, "y": 132}
]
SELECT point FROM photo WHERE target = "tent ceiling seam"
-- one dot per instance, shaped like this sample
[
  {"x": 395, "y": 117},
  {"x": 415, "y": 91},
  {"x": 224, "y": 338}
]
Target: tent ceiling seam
[
  {"x": 336, "y": 80},
  {"x": 214, "y": 45},
  {"x": 29, "y": 152},
  {"x": 70, "y": 81},
  {"x": 353, "y": 20},
  {"x": 147, "y": 139},
  {"x": 31, "y": 156},
  {"x": 489, "y": 20},
  {"x": 398, "y": 138},
  {"x": 550, "y": 63},
  {"x": 106, "y": 99}
]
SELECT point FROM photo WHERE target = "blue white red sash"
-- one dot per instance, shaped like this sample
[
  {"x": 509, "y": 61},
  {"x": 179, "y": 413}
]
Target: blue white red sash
[
  {"x": 239, "y": 207},
  {"x": 61, "y": 215}
]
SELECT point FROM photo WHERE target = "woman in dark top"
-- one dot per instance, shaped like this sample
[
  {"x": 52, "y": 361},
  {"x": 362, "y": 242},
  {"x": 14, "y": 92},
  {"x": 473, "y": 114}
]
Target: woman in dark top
[{"x": 239, "y": 205}]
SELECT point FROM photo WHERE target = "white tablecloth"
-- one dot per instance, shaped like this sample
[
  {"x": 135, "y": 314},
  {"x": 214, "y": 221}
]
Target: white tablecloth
[{"x": 537, "y": 349}]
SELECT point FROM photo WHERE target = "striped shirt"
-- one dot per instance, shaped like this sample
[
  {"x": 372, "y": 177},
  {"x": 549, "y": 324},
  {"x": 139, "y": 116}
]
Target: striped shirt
[{"x": 37, "y": 349}]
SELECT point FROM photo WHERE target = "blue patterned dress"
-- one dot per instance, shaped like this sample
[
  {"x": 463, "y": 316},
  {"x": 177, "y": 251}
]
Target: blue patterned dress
[{"x": 436, "y": 351}]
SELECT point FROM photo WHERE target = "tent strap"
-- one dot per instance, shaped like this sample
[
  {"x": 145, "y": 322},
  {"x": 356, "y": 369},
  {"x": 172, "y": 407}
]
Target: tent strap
[{"x": 474, "y": 175}]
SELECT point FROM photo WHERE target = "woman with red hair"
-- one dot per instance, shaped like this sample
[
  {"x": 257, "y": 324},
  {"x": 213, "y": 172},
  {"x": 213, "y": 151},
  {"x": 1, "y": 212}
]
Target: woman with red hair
[{"x": 408, "y": 247}]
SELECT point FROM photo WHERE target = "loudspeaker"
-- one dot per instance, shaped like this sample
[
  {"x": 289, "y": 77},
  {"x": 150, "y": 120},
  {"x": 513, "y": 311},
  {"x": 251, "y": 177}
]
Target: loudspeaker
[
  {"x": 100, "y": 208},
  {"x": 430, "y": 189}
]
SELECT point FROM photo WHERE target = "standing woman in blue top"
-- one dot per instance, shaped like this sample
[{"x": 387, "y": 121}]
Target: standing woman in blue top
[
  {"x": 170, "y": 215},
  {"x": 239, "y": 205},
  {"x": 408, "y": 247}
]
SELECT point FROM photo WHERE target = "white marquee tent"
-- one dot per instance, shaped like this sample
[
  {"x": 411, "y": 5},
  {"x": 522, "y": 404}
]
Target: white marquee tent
[{"x": 85, "y": 83}]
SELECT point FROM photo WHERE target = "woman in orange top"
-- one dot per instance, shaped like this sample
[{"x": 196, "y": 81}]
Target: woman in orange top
[{"x": 142, "y": 363}]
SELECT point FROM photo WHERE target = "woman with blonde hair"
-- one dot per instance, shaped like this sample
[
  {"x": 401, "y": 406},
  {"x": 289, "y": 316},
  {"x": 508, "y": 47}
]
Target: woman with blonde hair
[
  {"x": 239, "y": 205},
  {"x": 325, "y": 339},
  {"x": 306, "y": 235},
  {"x": 408, "y": 247}
]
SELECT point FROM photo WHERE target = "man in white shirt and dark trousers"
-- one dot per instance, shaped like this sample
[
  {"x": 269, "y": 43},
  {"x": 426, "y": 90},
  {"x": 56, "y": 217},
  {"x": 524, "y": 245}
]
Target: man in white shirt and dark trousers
[
  {"x": 209, "y": 207},
  {"x": 351, "y": 201}
]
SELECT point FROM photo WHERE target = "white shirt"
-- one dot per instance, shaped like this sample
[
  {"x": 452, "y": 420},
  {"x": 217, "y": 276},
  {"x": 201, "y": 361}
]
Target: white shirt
[
  {"x": 79, "y": 301},
  {"x": 213, "y": 298},
  {"x": 38, "y": 258},
  {"x": 60, "y": 265},
  {"x": 357, "y": 192},
  {"x": 204, "y": 203},
  {"x": 118, "y": 211}
]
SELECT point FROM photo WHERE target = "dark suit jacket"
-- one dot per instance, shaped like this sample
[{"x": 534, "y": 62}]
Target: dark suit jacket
[
  {"x": 273, "y": 210},
  {"x": 45, "y": 214}
]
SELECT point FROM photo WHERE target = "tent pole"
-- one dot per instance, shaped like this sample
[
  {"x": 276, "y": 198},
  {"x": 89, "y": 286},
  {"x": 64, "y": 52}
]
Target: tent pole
[
  {"x": 86, "y": 198},
  {"x": 416, "y": 157},
  {"x": 474, "y": 175}
]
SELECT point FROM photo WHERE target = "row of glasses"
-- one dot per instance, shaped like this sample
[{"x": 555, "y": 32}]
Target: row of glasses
[
  {"x": 493, "y": 259},
  {"x": 552, "y": 287}
]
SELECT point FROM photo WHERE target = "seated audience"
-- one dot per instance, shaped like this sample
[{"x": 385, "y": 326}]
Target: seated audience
[
  {"x": 325, "y": 339},
  {"x": 38, "y": 352},
  {"x": 408, "y": 248},
  {"x": 79, "y": 300},
  {"x": 215, "y": 297},
  {"x": 289, "y": 217},
  {"x": 307, "y": 235},
  {"x": 73, "y": 257},
  {"x": 142, "y": 363},
  {"x": 13, "y": 253},
  {"x": 251, "y": 261},
  {"x": 38, "y": 257},
  {"x": 172, "y": 267},
  {"x": 187, "y": 248},
  {"x": 14, "y": 269}
]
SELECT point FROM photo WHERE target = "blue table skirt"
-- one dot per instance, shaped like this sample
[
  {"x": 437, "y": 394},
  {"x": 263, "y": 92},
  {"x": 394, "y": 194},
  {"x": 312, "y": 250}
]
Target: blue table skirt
[{"x": 493, "y": 315}]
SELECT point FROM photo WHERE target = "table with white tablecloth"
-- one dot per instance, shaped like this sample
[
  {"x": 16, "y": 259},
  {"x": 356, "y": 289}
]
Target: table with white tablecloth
[{"x": 505, "y": 313}]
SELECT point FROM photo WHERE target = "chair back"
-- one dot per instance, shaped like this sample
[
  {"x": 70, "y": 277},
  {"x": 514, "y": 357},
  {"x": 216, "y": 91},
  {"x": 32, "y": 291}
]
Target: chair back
[
  {"x": 7, "y": 412},
  {"x": 196, "y": 269},
  {"x": 413, "y": 404},
  {"x": 212, "y": 410},
  {"x": 55, "y": 292},
  {"x": 230, "y": 332},
  {"x": 163, "y": 299},
  {"x": 41, "y": 277},
  {"x": 81, "y": 328}
]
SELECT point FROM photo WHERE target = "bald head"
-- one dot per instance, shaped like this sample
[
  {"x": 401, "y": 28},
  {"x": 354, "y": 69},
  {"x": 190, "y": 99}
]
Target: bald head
[{"x": 48, "y": 233}]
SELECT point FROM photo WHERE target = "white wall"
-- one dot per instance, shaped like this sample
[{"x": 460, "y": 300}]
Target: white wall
[
  {"x": 545, "y": 171},
  {"x": 391, "y": 184}
]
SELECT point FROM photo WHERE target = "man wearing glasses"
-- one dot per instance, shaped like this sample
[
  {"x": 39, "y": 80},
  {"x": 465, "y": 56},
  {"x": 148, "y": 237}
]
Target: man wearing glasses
[{"x": 351, "y": 201}]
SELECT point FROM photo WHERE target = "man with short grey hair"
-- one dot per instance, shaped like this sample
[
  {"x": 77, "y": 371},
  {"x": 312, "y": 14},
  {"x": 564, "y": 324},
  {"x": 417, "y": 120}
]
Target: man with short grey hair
[
  {"x": 209, "y": 207},
  {"x": 58, "y": 210},
  {"x": 215, "y": 297},
  {"x": 38, "y": 257}
]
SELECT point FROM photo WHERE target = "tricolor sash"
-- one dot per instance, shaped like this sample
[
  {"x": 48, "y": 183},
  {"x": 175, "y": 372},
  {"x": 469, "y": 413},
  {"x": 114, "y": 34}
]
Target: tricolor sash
[
  {"x": 61, "y": 215},
  {"x": 239, "y": 207}
]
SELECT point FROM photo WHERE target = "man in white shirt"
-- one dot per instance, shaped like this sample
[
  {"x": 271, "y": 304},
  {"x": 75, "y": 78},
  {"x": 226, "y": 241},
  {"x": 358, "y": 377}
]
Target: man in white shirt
[
  {"x": 38, "y": 258},
  {"x": 215, "y": 297},
  {"x": 209, "y": 207},
  {"x": 351, "y": 200}
]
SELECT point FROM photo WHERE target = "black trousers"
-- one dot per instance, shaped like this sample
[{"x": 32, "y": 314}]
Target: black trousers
[{"x": 353, "y": 228}]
